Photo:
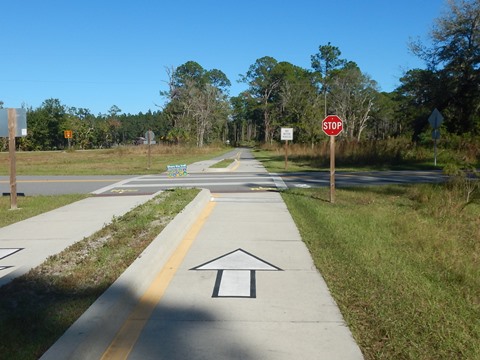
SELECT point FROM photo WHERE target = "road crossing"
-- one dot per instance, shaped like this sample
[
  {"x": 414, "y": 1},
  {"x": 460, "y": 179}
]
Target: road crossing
[
  {"x": 230, "y": 182},
  {"x": 215, "y": 182}
]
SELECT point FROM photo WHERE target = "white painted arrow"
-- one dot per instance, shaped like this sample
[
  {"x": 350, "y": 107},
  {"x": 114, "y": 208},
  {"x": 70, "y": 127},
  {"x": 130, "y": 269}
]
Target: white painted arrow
[
  {"x": 236, "y": 273},
  {"x": 5, "y": 252}
]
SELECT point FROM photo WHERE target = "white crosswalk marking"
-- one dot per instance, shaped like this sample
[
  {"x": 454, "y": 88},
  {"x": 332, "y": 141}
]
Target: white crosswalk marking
[{"x": 213, "y": 182}]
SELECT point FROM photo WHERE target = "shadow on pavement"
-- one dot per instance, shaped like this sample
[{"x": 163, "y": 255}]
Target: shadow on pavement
[
  {"x": 184, "y": 333},
  {"x": 35, "y": 312}
]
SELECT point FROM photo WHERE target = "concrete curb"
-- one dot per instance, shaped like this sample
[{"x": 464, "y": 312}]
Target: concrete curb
[{"x": 92, "y": 333}]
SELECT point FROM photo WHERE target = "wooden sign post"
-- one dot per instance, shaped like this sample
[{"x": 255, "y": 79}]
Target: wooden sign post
[
  {"x": 13, "y": 123},
  {"x": 12, "y": 130},
  {"x": 332, "y": 125},
  {"x": 68, "y": 134},
  {"x": 332, "y": 169},
  {"x": 149, "y": 136},
  {"x": 286, "y": 134}
]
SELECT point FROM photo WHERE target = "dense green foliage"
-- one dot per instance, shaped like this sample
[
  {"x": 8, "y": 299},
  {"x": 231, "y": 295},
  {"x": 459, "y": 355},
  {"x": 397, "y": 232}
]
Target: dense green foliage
[
  {"x": 198, "y": 109},
  {"x": 29, "y": 206},
  {"x": 46, "y": 126}
]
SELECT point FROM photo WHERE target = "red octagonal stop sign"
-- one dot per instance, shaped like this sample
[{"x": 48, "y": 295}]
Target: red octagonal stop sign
[{"x": 332, "y": 125}]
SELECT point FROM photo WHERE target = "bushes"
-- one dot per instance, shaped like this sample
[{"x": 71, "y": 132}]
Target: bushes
[
  {"x": 396, "y": 153},
  {"x": 375, "y": 154},
  {"x": 463, "y": 181}
]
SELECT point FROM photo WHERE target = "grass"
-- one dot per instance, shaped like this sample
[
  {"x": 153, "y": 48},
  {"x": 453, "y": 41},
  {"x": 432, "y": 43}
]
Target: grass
[
  {"x": 222, "y": 164},
  {"x": 32, "y": 205},
  {"x": 403, "y": 263},
  {"x": 126, "y": 160},
  {"x": 37, "y": 308},
  {"x": 393, "y": 154}
]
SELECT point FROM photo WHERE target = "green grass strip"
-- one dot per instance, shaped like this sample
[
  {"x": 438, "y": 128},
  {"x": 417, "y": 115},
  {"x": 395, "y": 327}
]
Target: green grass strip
[
  {"x": 222, "y": 164},
  {"x": 29, "y": 206},
  {"x": 405, "y": 271}
]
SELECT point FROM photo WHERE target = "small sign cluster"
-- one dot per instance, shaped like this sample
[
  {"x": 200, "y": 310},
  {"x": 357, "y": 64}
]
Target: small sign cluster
[{"x": 177, "y": 170}]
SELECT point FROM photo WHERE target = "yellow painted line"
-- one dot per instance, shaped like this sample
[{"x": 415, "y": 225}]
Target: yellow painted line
[
  {"x": 235, "y": 167},
  {"x": 127, "y": 336}
]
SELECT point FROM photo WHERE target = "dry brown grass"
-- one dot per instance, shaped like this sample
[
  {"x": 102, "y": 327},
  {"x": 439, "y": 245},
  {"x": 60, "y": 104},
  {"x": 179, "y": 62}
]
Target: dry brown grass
[{"x": 124, "y": 160}]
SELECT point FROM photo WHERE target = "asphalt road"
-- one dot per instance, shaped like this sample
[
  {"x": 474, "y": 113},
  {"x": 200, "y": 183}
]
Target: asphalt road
[
  {"x": 217, "y": 182},
  {"x": 58, "y": 185},
  {"x": 243, "y": 177},
  {"x": 344, "y": 179}
]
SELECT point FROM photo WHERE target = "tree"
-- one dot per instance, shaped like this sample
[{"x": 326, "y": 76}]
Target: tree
[
  {"x": 419, "y": 93},
  {"x": 113, "y": 126},
  {"x": 353, "y": 94},
  {"x": 384, "y": 121},
  {"x": 323, "y": 63},
  {"x": 191, "y": 71},
  {"x": 114, "y": 111},
  {"x": 244, "y": 120},
  {"x": 454, "y": 56},
  {"x": 263, "y": 82},
  {"x": 219, "y": 80},
  {"x": 298, "y": 102},
  {"x": 46, "y": 125},
  {"x": 197, "y": 101}
]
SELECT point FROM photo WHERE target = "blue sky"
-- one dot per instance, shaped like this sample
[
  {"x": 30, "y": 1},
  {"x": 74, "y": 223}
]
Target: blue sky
[{"x": 97, "y": 53}]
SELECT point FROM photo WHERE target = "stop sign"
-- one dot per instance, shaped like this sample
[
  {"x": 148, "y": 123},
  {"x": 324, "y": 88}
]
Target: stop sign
[{"x": 332, "y": 125}]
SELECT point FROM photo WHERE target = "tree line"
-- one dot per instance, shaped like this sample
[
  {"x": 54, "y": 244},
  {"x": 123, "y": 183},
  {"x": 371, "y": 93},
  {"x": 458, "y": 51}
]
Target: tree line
[
  {"x": 199, "y": 110},
  {"x": 47, "y": 123}
]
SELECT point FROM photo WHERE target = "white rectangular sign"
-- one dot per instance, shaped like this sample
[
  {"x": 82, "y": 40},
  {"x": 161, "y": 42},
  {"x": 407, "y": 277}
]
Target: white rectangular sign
[{"x": 286, "y": 134}]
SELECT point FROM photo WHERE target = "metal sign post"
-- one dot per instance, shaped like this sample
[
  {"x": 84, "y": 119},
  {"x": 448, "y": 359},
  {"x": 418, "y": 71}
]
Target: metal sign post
[{"x": 435, "y": 119}]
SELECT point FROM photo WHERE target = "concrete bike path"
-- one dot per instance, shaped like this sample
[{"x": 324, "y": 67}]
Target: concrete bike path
[
  {"x": 28, "y": 243},
  {"x": 196, "y": 305},
  {"x": 247, "y": 289}
]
